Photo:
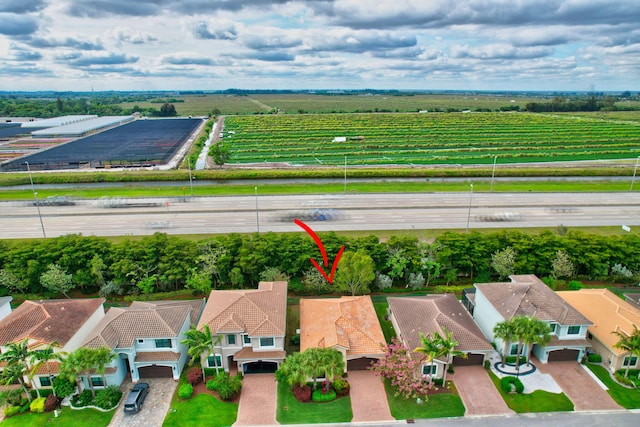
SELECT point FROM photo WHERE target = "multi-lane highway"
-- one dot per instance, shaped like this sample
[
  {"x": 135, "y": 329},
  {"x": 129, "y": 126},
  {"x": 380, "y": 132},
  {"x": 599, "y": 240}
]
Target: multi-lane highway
[{"x": 206, "y": 215}]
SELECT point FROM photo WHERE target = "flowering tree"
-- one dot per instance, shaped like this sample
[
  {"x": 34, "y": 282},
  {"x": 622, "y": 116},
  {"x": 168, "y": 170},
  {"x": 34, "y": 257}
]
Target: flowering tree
[{"x": 402, "y": 370}]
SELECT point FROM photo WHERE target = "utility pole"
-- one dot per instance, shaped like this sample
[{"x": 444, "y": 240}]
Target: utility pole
[
  {"x": 469, "y": 212},
  {"x": 257, "y": 215},
  {"x": 35, "y": 197}
]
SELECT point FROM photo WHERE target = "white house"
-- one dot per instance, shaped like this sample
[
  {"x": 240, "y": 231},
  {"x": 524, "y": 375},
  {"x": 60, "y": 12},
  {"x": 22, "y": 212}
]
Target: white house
[
  {"x": 526, "y": 295},
  {"x": 5, "y": 306}
]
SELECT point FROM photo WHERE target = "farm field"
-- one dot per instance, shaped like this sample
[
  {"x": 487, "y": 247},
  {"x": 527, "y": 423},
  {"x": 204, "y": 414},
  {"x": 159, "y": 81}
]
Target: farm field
[{"x": 424, "y": 139}]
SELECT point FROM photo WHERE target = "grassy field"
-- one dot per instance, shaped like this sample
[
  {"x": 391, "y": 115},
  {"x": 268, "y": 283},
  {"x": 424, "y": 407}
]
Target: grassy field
[{"x": 423, "y": 139}]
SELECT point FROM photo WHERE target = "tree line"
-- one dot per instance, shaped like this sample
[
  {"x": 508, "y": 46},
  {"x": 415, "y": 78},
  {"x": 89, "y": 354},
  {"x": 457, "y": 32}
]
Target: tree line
[{"x": 163, "y": 263}]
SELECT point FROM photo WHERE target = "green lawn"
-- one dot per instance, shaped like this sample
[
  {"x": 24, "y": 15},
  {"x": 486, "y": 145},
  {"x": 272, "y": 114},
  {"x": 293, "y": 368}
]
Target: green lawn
[
  {"x": 538, "y": 401},
  {"x": 201, "y": 410},
  {"x": 290, "y": 411},
  {"x": 438, "y": 406},
  {"x": 387, "y": 327},
  {"x": 625, "y": 397},
  {"x": 67, "y": 418}
]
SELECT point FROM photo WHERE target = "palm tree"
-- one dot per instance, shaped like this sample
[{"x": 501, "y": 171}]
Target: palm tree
[
  {"x": 630, "y": 344},
  {"x": 199, "y": 342},
  {"x": 102, "y": 356},
  {"x": 16, "y": 357},
  {"x": 449, "y": 345},
  {"x": 72, "y": 367},
  {"x": 44, "y": 357},
  {"x": 432, "y": 347},
  {"x": 14, "y": 372},
  {"x": 521, "y": 328},
  {"x": 537, "y": 332},
  {"x": 506, "y": 332}
]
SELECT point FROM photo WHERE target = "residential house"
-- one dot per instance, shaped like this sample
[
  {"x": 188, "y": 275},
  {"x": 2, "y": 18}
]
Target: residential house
[
  {"x": 347, "y": 324},
  {"x": 426, "y": 315},
  {"x": 609, "y": 313},
  {"x": 146, "y": 339},
  {"x": 249, "y": 327},
  {"x": 526, "y": 295},
  {"x": 63, "y": 324},
  {"x": 5, "y": 306}
]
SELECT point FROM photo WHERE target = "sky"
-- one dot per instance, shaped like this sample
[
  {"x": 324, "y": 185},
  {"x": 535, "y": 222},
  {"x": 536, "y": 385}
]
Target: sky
[{"x": 521, "y": 45}]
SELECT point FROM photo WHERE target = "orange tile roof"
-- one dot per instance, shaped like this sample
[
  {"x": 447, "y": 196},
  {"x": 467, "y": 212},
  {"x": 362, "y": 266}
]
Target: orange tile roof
[
  {"x": 247, "y": 353},
  {"x": 432, "y": 313},
  {"x": 347, "y": 322},
  {"x": 526, "y": 295},
  {"x": 48, "y": 321},
  {"x": 607, "y": 311},
  {"x": 257, "y": 312},
  {"x": 152, "y": 319},
  {"x": 157, "y": 356}
]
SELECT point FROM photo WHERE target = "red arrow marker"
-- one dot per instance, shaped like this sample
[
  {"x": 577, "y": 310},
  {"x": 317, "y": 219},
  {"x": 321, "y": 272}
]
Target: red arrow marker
[{"x": 323, "y": 251}]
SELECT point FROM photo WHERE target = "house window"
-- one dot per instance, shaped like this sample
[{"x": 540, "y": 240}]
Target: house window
[
  {"x": 513, "y": 351},
  {"x": 630, "y": 361},
  {"x": 429, "y": 369},
  {"x": 589, "y": 335},
  {"x": 45, "y": 381},
  {"x": 231, "y": 339},
  {"x": 163, "y": 343},
  {"x": 554, "y": 328},
  {"x": 140, "y": 341},
  {"x": 246, "y": 340},
  {"x": 214, "y": 361},
  {"x": 267, "y": 342},
  {"x": 97, "y": 381},
  {"x": 573, "y": 330}
]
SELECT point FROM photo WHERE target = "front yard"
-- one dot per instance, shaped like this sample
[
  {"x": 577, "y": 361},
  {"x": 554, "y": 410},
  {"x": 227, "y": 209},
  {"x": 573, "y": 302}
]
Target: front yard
[
  {"x": 438, "y": 405},
  {"x": 538, "y": 401},
  {"x": 67, "y": 417},
  {"x": 290, "y": 411},
  {"x": 626, "y": 397}
]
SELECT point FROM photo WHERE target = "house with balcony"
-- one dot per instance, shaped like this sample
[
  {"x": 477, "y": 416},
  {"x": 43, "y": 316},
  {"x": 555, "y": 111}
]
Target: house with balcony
[
  {"x": 527, "y": 295},
  {"x": 248, "y": 326},
  {"x": 609, "y": 314},
  {"x": 348, "y": 324},
  {"x": 146, "y": 339},
  {"x": 61, "y": 325},
  {"x": 426, "y": 315}
]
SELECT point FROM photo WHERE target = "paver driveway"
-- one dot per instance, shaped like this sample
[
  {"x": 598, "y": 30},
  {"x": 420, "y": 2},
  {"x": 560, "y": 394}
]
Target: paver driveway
[
  {"x": 477, "y": 391},
  {"x": 585, "y": 393},
  {"x": 368, "y": 397},
  {"x": 258, "y": 400},
  {"x": 155, "y": 405}
]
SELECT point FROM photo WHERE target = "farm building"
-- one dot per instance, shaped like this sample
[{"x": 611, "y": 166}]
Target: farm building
[
  {"x": 57, "y": 121},
  {"x": 82, "y": 127}
]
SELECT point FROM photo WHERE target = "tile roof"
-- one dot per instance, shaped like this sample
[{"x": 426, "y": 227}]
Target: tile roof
[
  {"x": 257, "y": 312},
  {"x": 121, "y": 326},
  {"x": 247, "y": 353},
  {"x": 157, "y": 356},
  {"x": 607, "y": 311},
  {"x": 526, "y": 295},
  {"x": 430, "y": 313},
  {"x": 347, "y": 322},
  {"x": 48, "y": 321}
]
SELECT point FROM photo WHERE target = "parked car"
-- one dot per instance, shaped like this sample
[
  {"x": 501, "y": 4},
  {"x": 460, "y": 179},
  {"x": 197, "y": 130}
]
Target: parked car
[{"x": 136, "y": 397}]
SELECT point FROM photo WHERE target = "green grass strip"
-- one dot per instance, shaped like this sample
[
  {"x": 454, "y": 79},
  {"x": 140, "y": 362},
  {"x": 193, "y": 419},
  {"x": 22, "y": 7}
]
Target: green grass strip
[
  {"x": 625, "y": 397},
  {"x": 437, "y": 406},
  {"x": 290, "y": 411},
  {"x": 538, "y": 401}
]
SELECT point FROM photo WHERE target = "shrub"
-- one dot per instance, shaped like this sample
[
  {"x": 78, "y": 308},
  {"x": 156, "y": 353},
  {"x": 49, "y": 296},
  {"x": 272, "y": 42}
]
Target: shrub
[
  {"x": 507, "y": 382},
  {"x": 575, "y": 285},
  {"x": 512, "y": 359},
  {"x": 295, "y": 339},
  {"x": 228, "y": 387},
  {"x": 318, "y": 396},
  {"x": 37, "y": 405},
  {"x": 10, "y": 411},
  {"x": 108, "y": 398},
  {"x": 451, "y": 369},
  {"x": 194, "y": 376},
  {"x": 51, "y": 403},
  {"x": 63, "y": 387},
  {"x": 302, "y": 393},
  {"x": 211, "y": 385},
  {"x": 487, "y": 364},
  {"x": 594, "y": 358},
  {"x": 185, "y": 391},
  {"x": 83, "y": 399},
  {"x": 341, "y": 387}
]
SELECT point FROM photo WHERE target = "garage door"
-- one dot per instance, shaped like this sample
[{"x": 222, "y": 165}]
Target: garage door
[
  {"x": 359, "y": 364},
  {"x": 563, "y": 355},
  {"x": 260, "y": 367},
  {"x": 472, "y": 359},
  {"x": 155, "y": 372}
]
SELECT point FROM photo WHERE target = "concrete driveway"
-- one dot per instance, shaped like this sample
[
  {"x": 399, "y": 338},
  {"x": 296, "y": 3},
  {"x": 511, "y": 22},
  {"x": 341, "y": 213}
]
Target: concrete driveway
[
  {"x": 155, "y": 406},
  {"x": 477, "y": 391},
  {"x": 368, "y": 397},
  {"x": 585, "y": 393},
  {"x": 258, "y": 400}
]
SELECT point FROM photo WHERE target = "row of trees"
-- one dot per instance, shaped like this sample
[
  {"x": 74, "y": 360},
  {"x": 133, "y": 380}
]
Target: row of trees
[
  {"x": 20, "y": 362},
  {"x": 160, "y": 263}
]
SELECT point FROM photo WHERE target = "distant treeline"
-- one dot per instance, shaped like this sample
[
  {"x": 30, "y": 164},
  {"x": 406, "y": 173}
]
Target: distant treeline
[
  {"x": 161, "y": 263},
  {"x": 592, "y": 103}
]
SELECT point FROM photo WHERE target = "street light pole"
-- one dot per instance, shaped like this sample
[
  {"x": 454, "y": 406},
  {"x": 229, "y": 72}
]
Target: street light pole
[
  {"x": 633, "y": 178},
  {"x": 493, "y": 173},
  {"x": 469, "y": 212},
  {"x": 345, "y": 174},
  {"x": 257, "y": 216},
  {"x": 35, "y": 197}
]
